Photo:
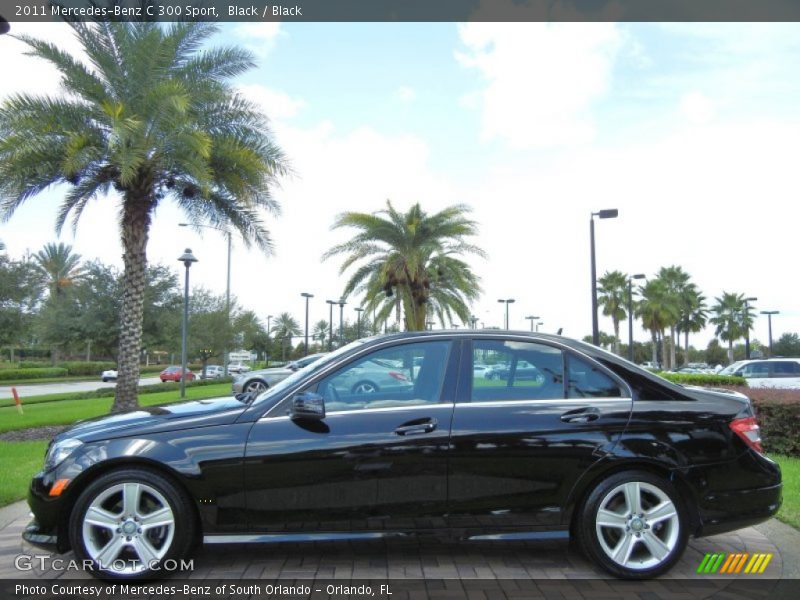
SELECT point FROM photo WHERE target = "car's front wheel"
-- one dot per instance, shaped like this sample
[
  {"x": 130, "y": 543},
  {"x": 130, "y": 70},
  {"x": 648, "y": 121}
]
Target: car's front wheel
[
  {"x": 633, "y": 525},
  {"x": 131, "y": 524},
  {"x": 256, "y": 386}
]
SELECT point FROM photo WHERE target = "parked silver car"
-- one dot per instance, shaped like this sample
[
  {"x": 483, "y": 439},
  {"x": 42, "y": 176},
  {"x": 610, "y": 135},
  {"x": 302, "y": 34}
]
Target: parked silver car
[
  {"x": 258, "y": 381},
  {"x": 213, "y": 372}
]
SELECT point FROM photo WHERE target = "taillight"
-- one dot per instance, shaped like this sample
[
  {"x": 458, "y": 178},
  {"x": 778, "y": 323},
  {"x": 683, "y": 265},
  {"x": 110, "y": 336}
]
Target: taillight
[
  {"x": 398, "y": 376},
  {"x": 749, "y": 431}
]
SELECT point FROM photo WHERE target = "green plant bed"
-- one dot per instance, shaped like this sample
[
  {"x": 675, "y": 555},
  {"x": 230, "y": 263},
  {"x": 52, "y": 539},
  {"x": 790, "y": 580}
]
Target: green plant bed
[
  {"x": 19, "y": 461},
  {"x": 16, "y": 375},
  {"x": 68, "y": 411},
  {"x": 703, "y": 379}
]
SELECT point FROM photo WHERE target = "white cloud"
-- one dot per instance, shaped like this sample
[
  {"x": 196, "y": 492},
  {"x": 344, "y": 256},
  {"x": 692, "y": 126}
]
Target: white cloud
[
  {"x": 541, "y": 79},
  {"x": 697, "y": 108},
  {"x": 406, "y": 94},
  {"x": 277, "y": 105},
  {"x": 260, "y": 38}
]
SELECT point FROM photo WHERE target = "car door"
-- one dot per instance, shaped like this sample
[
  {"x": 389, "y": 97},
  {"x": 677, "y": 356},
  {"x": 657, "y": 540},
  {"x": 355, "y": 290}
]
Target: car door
[
  {"x": 519, "y": 445},
  {"x": 376, "y": 461}
]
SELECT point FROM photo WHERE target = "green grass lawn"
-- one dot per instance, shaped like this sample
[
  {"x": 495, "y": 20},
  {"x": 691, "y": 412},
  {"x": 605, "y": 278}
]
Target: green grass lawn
[
  {"x": 69, "y": 411},
  {"x": 19, "y": 461},
  {"x": 790, "y": 511}
]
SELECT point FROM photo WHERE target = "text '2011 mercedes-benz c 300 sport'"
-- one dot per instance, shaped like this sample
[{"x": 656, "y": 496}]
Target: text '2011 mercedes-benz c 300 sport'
[{"x": 581, "y": 444}]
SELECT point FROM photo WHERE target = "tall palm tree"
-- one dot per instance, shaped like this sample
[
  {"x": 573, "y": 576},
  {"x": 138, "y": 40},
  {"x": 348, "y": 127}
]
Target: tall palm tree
[
  {"x": 285, "y": 328},
  {"x": 656, "y": 311},
  {"x": 675, "y": 280},
  {"x": 59, "y": 266},
  {"x": 411, "y": 259},
  {"x": 729, "y": 319},
  {"x": 612, "y": 294},
  {"x": 151, "y": 115},
  {"x": 693, "y": 314}
]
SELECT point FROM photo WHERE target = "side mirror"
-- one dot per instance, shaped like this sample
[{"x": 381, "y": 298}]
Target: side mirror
[{"x": 308, "y": 405}]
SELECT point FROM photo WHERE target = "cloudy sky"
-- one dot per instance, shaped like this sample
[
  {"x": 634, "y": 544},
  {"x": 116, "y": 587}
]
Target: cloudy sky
[{"x": 690, "y": 131}]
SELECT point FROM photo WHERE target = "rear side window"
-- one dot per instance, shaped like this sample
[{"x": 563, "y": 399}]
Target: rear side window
[
  {"x": 786, "y": 369},
  {"x": 585, "y": 380},
  {"x": 509, "y": 370}
]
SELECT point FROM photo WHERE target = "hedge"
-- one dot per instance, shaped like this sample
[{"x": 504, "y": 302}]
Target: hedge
[
  {"x": 703, "y": 379},
  {"x": 18, "y": 374}
]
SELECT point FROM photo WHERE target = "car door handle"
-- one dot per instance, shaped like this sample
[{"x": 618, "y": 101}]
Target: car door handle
[
  {"x": 427, "y": 426},
  {"x": 583, "y": 415}
]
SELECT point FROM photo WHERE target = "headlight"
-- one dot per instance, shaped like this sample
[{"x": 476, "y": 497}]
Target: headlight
[{"x": 60, "y": 451}]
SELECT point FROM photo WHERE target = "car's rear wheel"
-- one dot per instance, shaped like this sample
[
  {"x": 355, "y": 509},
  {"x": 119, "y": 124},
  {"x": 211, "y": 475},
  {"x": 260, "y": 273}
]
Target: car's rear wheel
[
  {"x": 633, "y": 525},
  {"x": 256, "y": 386},
  {"x": 131, "y": 524},
  {"x": 364, "y": 387}
]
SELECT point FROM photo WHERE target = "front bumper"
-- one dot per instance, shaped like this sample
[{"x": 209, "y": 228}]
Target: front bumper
[
  {"x": 48, "y": 511},
  {"x": 34, "y": 535}
]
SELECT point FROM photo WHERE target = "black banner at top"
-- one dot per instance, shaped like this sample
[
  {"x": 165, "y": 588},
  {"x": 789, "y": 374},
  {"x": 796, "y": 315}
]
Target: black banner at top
[{"x": 401, "y": 10}]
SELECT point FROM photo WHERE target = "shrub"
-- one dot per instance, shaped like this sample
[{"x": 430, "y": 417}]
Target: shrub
[
  {"x": 18, "y": 374},
  {"x": 778, "y": 413},
  {"x": 703, "y": 379},
  {"x": 86, "y": 368}
]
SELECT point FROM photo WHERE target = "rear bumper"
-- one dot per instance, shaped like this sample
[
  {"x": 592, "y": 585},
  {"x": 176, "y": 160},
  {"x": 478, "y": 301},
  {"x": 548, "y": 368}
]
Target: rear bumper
[
  {"x": 738, "y": 494},
  {"x": 728, "y": 511}
]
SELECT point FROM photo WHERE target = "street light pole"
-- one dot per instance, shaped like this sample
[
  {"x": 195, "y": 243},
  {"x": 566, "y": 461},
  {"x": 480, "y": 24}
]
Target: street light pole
[
  {"x": 747, "y": 326},
  {"x": 531, "y": 318},
  {"x": 330, "y": 324},
  {"x": 307, "y": 296},
  {"x": 341, "y": 304},
  {"x": 227, "y": 233},
  {"x": 537, "y": 325},
  {"x": 359, "y": 310},
  {"x": 187, "y": 258},
  {"x": 630, "y": 313},
  {"x": 507, "y": 301},
  {"x": 609, "y": 213},
  {"x": 474, "y": 321},
  {"x": 769, "y": 314}
]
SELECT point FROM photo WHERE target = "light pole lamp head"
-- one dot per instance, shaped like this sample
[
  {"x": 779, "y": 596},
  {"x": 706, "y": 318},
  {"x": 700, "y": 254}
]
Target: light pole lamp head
[
  {"x": 639, "y": 276},
  {"x": 770, "y": 312},
  {"x": 751, "y": 299},
  {"x": 358, "y": 309},
  {"x": 306, "y": 295},
  {"x": 608, "y": 213},
  {"x": 341, "y": 302},
  {"x": 187, "y": 258}
]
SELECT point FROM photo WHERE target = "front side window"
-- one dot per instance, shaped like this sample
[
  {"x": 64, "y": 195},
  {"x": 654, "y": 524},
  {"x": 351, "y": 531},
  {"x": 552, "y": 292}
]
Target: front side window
[
  {"x": 511, "y": 370},
  {"x": 758, "y": 369},
  {"x": 404, "y": 375}
]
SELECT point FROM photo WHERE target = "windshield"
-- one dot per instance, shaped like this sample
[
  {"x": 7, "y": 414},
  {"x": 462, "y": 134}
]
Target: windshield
[
  {"x": 730, "y": 368},
  {"x": 315, "y": 366}
]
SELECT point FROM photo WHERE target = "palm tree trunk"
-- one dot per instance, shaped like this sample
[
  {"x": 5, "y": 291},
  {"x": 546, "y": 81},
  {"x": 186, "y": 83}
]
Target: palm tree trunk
[
  {"x": 730, "y": 352},
  {"x": 673, "y": 358},
  {"x": 616, "y": 337},
  {"x": 135, "y": 229},
  {"x": 686, "y": 345},
  {"x": 655, "y": 346},
  {"x": 664, "y": 352}
]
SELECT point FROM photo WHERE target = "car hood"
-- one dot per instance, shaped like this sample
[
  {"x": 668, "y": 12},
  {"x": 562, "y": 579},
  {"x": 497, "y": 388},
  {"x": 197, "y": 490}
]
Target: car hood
[{"x": 181, "y": 415}]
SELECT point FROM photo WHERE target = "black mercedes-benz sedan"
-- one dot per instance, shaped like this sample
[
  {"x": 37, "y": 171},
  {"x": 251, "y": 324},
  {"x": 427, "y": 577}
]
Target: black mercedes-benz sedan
[{"x": 597, "y": 449}]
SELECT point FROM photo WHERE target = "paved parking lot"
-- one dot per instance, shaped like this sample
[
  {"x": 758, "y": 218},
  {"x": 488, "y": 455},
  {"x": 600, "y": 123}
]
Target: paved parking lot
[{"x": 459, "y": 566}]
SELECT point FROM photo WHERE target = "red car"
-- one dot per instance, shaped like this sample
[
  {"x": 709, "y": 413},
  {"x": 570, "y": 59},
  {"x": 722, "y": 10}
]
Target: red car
[{"x": 174, "y": 374}]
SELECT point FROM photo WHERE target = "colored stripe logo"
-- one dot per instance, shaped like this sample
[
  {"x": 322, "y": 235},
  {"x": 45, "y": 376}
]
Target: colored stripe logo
[{"x": 734, "y": 563}]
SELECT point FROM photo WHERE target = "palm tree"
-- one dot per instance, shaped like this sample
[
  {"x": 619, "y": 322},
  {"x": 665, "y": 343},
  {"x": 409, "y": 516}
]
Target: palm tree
[
  {"x": 59, "y": 266},
  {"x": 675, "y": 281},
  {"x": 693, "y": 315},
  {"x": 411, "y": 259},
  {"x": 285, "y": 328},
  {"x": 153, "y": 117},
  {"x": 656, "y": 311},
  {"x": 613, "y": 297},
  {"x": 729, "y": 319},
  {"x": 320, "y": 332}
]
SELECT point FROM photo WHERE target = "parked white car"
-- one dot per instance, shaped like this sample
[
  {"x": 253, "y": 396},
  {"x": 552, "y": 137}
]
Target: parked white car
[
  {"x": 767, "y": 373},
  {"x": 238, "y": 368},
  {"x": 213, "y": 372},
  {"x": 110, "y": 375}
]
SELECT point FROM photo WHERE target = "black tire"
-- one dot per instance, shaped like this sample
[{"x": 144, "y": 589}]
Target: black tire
[
  {"x": 365, "y": 387},
  {"x": 104, "y": 379},
  {"x": 668, "y": 536},
  {"x": 175, "y": 545}
]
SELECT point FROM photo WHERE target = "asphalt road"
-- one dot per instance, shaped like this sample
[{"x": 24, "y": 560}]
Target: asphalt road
[{"x": 37, "y": 389}]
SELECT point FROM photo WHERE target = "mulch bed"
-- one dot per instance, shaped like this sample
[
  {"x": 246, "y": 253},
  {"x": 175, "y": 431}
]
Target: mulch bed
[{"x": 32, "y": 433}]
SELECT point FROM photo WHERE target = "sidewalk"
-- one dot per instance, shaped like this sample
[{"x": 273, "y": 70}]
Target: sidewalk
[{"x": 447, "y": 559}]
